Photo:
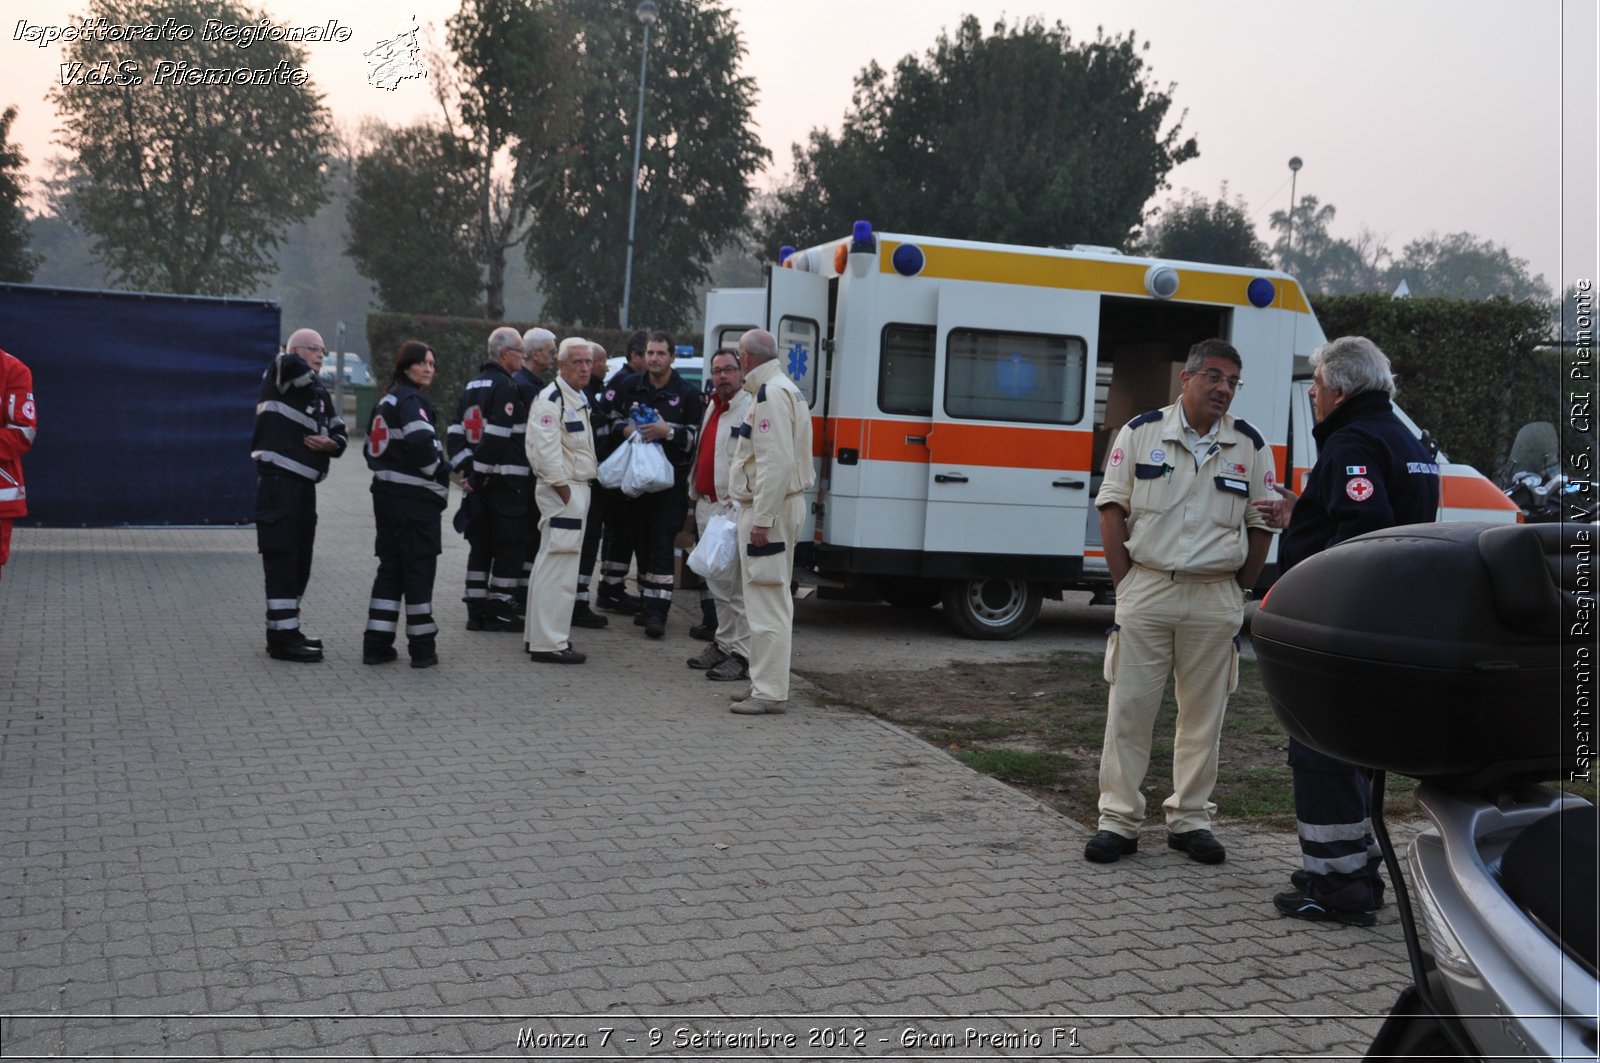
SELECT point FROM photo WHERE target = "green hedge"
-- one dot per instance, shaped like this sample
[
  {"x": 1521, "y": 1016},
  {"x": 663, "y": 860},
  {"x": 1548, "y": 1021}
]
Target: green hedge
[
  {"x": 1469, "y": 371},
  {"x": 461, "y": 345}
]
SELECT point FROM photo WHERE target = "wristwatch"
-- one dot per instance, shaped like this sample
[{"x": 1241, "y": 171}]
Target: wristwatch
[
  {"x": 672, "y": 433},
  {"x": 1249, "y": 594}
]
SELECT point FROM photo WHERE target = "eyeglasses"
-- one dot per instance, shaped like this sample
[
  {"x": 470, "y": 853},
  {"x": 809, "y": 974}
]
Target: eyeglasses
[
  {"x": 724, "y": 369},
  {"x": 1215, "y": 377}
]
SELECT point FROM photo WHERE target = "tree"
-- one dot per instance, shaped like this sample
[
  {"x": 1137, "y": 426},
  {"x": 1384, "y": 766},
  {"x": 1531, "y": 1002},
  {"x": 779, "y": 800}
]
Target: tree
[
  {"x": 510, "y": 98},
  {"x": 1025, "y": 136},
  {"x": 17, "y": 263},
  {"x": 1199, "y": 230},
  {"x": 190, "y": 186},
  {"x": 414, "y": 217},
  {"x": 1464, "y": 266},
  {"x": 1324, "y": 264},
  {"x": 697, "y": 157}
]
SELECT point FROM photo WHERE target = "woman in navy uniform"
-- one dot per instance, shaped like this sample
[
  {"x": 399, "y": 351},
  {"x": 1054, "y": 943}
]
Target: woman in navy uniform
[{"x": 410, "y": 486}]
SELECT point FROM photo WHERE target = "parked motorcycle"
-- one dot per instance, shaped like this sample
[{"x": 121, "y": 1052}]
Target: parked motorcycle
[
  {"x": 1458, "y": 654},
  {"x": 1533, "y": 478}
]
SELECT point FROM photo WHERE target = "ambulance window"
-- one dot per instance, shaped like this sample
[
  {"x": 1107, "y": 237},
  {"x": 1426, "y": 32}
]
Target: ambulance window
[
  {"x": 1014, "y": 376},
  {"x": 905, "y": 370},
  {"x": 729, "y": 337},
  {"x": 797, "y": 349}
]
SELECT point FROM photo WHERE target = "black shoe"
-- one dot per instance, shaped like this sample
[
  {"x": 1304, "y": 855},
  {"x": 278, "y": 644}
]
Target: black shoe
[
  {"x": 474, "y": 623},
  {"x": 382, "y": 655},
  {"x": 1297, "y": 905},
  {"x": 1107, "y": 847},
  {"x": 296, "y": 651},
  {"x": 1301, "y": 880},
  {"x": 710, "y": 657},
  {"x": 311, "y": 643},
  {"x": 703, "y": 632},
  {"x": 425, "y": 662},
  {"x": 583, "y": 616},
  {"x": 655, "y": 627},
  {"x": 501, "y": 623},
  {"x": 730, "y": 669},
  {"x": 638, "y": 620},
  {"x": 566, "y": 656},
  {"x": 1201, "y": 845},
  {"x": 618, "y": 602}
]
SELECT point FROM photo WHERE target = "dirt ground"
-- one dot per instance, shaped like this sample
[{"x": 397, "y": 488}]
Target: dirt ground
[{"x": 1038, "y": 725}]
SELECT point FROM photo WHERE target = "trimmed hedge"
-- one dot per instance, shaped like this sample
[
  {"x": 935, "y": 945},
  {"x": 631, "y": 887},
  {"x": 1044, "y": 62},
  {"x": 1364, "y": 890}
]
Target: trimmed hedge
[
  {"x": 1470, "y": 371},
  {"x": 461, "y": 345}
]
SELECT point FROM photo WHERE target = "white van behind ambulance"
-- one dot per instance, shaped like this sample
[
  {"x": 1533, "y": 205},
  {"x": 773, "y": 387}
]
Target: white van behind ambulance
[{"x": 963, "y": 395}]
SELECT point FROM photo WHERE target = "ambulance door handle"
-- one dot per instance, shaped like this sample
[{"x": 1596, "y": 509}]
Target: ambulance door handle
[
  {"x": 1074, "y": 484},
  {"x": 949, "y": 478}
]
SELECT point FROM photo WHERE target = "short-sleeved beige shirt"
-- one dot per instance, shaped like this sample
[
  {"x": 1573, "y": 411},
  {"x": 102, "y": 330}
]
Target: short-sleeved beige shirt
[{"x": 1185, "y": 515}]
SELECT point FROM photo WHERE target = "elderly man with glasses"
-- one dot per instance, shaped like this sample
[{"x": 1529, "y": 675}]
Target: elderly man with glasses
[
  {"x": 1184, "y": 547},
  {"x": 297, "y": 431}
]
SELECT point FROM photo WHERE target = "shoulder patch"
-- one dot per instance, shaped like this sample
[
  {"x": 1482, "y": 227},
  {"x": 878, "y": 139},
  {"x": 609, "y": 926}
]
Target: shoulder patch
[
  {"x": 1145, "y": 418},
  {"x": 761, "y": 393},
  {"x": 1250, "y": 433},
  {"x": 555, "y": 393}
]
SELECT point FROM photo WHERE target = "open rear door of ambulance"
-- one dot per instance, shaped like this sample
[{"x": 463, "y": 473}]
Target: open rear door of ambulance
[
  {"x": 797, "y": 314},
  {"x": 1009, "y": 450}
]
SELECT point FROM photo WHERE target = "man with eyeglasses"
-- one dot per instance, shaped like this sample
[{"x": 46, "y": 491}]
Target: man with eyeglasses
[
  {"x": 727, "y": 658},
  {"x": 297, "y": 431},
  {"x": 1184, "y": 546},
  {"x": 486, "y": 446}
]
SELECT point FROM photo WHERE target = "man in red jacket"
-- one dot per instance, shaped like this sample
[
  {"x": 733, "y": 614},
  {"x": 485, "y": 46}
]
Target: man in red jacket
[{"x": 17, "y": 425}]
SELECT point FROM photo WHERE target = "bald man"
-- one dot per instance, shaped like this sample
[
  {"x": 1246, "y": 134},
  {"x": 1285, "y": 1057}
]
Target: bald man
[{"x": 297, "y": 432}]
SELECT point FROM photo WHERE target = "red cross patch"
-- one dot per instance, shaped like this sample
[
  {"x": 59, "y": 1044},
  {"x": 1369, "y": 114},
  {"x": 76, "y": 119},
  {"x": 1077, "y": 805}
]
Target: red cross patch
[
  {"x": 1360, "y": 489},
  {"x": 473, "y": 423},
  {"x": 764, "y": 426},
  {"x": 1116, "y": 457},
  {"x": 1270, "y": 481},
  {"x": 377, "y": 436}
]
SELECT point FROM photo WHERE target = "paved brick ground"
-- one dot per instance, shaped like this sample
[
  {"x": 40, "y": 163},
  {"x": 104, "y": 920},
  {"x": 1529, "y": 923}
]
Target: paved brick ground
[{"x": 206, "y": 853}]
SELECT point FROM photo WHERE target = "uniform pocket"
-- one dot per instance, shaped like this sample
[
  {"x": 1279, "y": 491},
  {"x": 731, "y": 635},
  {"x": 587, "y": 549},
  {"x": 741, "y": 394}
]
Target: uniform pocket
[
  {"x": 767, "y": 566},
  {"x": 1152, "y": 488},
  {"x": 564, "y": 535},
  {"x": 1110, "y": 671},
  {"x": 1233, "y": 665},
  {"x": 1232, "y": 495}
]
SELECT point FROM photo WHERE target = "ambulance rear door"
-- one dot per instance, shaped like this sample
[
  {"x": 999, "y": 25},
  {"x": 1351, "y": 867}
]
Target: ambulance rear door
[
  {"x": 797, "y": 315},
  {"x": 1010, "y": 446}
]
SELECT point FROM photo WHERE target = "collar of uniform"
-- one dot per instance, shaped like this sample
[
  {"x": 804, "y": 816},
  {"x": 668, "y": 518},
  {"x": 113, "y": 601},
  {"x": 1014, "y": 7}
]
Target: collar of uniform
[
  {"x": 1174, "y": 424},
  {"x": 574, "y": 396},
  {"x": 760, "y": 375}
]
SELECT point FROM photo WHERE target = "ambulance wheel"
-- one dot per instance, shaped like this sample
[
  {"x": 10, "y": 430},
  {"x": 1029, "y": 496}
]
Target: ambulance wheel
[
  {"x": 991, "y": 608},
  {"x": 910, "y": 592}
]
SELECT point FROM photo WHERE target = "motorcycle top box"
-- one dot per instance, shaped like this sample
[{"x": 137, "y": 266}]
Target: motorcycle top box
[{"x": 1431, "y": 650}]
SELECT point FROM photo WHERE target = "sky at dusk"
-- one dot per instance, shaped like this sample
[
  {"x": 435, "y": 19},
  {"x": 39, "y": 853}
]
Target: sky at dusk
[{"x": 1426, "y": 115}]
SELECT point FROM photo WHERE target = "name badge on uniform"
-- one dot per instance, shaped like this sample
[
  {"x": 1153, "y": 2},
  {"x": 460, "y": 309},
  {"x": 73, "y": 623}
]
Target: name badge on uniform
[
  {"x": 574, "y": 425},
  {"x": 1228, "y": 483}
]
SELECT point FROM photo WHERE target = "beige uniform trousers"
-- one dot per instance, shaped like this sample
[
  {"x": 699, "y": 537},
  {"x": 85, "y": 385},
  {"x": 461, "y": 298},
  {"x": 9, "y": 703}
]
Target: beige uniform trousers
[
  {"x": 554, "y": 585},
  {"x": 733, "y": 626},
  {"x": 768, "y": 603},
  {"x": 1166, "y": 627}
]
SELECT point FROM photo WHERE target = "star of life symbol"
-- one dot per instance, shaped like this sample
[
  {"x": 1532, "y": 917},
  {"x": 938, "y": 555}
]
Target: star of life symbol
[
  {"x": 395, "y": 60},
  {"x": 797, "y": 362}
]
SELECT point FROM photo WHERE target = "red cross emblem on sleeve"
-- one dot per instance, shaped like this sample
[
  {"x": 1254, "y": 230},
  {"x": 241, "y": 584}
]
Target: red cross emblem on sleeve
[
  {"x": 1359, "y": 489},
  {"x": 377, "y": 436},
  {"x": 473, "y": 423}
]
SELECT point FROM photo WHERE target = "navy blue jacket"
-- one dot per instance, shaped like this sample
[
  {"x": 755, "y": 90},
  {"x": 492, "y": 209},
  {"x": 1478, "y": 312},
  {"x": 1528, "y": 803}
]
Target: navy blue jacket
[{"x": 1371, "y": 473}]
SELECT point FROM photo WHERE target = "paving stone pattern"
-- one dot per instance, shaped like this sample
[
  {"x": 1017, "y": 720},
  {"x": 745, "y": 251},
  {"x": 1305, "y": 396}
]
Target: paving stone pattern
[{"x": 207, "y": 853}]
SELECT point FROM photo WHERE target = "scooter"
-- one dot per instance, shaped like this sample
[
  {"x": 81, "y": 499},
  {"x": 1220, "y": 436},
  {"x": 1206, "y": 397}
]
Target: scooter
[{"x": 1434, "y": 651}]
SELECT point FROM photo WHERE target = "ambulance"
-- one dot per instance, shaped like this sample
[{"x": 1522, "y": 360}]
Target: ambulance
[{"x": 963, "y": 395}]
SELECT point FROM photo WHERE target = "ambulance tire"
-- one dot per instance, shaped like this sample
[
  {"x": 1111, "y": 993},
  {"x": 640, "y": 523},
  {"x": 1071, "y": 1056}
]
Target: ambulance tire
[
  {"x": 991, "y": 608},
  {"x": 910, "y": 592}
]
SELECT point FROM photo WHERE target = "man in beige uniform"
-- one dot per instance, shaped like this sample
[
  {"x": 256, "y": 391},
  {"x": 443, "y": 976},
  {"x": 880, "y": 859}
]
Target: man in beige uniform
[
  {"x": 768, "y": 474},
  {"x": 1184, "y": 545},
  {"x": 728, "y": 656},
  {"x": 561, "y": 454}
]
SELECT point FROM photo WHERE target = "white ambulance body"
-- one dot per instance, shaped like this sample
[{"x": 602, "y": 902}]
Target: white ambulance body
[{"x": 963, "y": 395}]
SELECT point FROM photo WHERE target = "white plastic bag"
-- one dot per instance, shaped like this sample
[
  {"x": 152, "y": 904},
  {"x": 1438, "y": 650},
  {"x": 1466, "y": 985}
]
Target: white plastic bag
[
  {"x": 614, "y": 468},
  {"x": 716, "y": 555},
  {"x": 648, "y": 470}
]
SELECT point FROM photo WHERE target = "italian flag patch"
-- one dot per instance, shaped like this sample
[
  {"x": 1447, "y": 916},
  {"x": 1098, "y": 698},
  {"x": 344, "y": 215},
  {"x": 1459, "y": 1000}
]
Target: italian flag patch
[{"x": 1355, "y": 470}]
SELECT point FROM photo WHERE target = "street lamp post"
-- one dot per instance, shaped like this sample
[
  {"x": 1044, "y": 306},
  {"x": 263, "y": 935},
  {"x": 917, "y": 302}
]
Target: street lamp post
[
  {"x": 1294, "y": 176},
  {"x": 646, "y": 12}
]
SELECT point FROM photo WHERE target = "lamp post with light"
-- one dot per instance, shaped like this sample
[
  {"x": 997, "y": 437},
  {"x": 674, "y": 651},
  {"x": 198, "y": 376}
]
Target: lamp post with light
[
  {"x": 1294, "y": 176},
  {"x": 646, "y": 12}
]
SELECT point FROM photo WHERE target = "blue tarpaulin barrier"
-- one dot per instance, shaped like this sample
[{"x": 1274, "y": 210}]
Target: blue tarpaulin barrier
[{"x": 146, "y": 403}]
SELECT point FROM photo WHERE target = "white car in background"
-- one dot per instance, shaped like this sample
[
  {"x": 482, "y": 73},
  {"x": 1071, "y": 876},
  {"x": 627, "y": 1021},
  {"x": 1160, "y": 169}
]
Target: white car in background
[{"x": 355, "y": 369}]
